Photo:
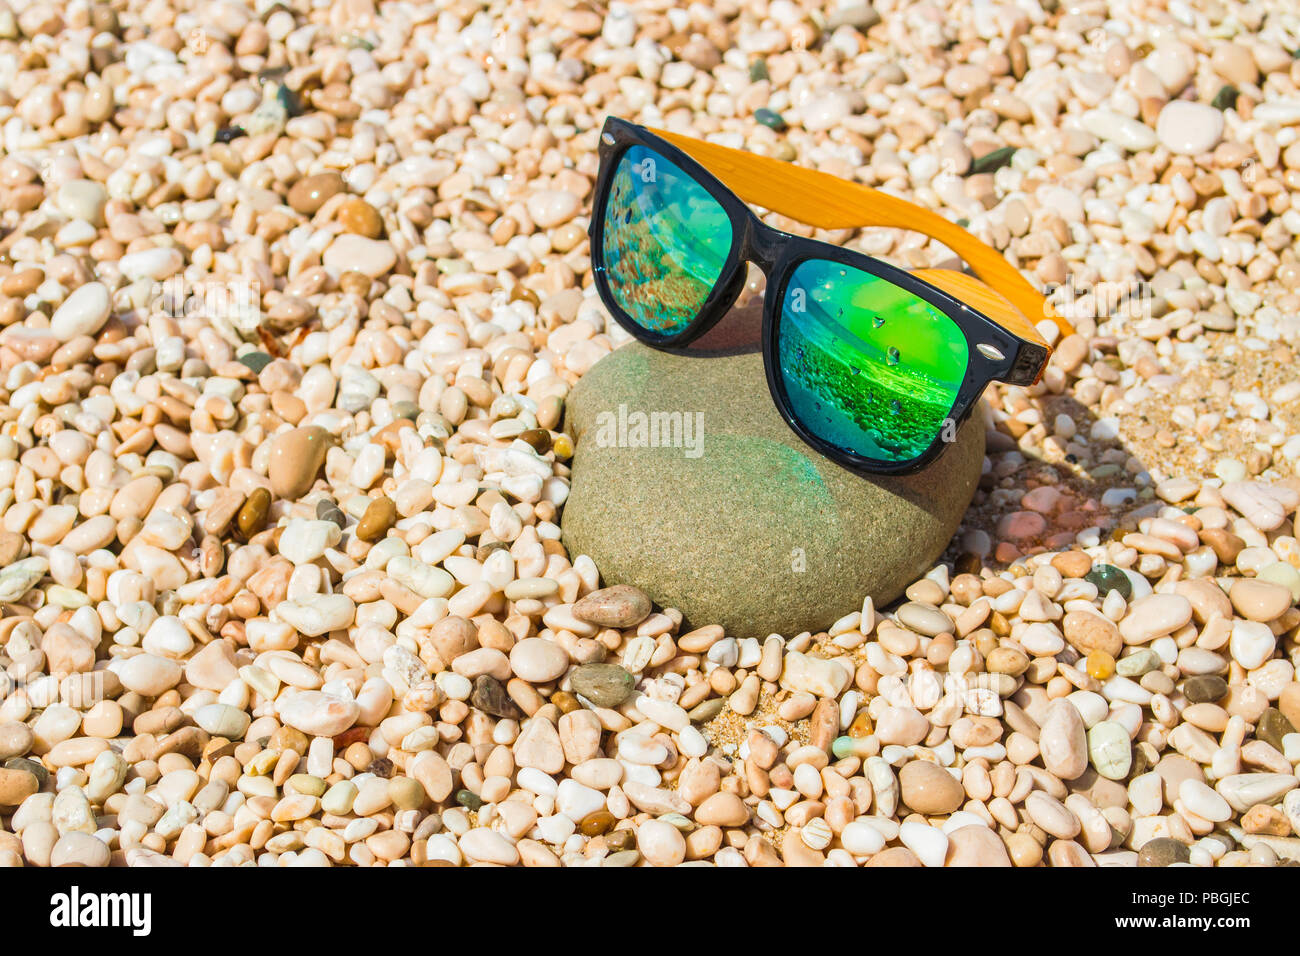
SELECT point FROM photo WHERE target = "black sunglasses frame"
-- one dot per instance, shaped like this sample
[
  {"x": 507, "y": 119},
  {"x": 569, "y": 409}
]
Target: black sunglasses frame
[{"x": 777, "y": 253}]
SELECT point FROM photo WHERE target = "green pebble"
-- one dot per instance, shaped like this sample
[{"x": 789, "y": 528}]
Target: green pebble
[
  {"x": 758, "y": 71},
  {"x": 1163, "y": 851},
  {"x": 1226, "y": 98},
  {"x": 1272, "y": 727},
  {"x": 1111, "y": 749},
  {"x": 338, "y": 798},
  {"x": 706, "y": 710},
  {"x": 1109, "y": 578},
  {"x": 685, "y": 824},
  {"x": 406, "y": 793},
  {"x": 407, "y": 410},
  {"x": 769, "y": 118},
  {"x": 308, "y": 784},
  {"x": 1205, "y": 689},
  {"x": 1135, "y": 665},
  {"x": 993, "y": 161},
  {"x": 256, "y": 361},
  {"x": 468, "y": 799}
]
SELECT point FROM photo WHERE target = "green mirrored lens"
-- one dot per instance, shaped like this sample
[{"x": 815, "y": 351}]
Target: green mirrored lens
[
  {"x": 665, "y": 241},
  {"x": 867, "y": 366}
]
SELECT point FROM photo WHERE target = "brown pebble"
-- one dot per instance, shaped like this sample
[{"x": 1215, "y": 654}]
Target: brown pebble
[
  {"x": 1270, "y": 821},
  {"x": 359, "y": 217},
  {"x": 596, "y": 823},
  {"x": 1072, "y": 564},
  {"x": 355, "y": 283},
  {"x": 295, "y": 460},
  {"x": 308, "y": 194},
  {"x": 379, "y": 516},
  {"x": 252, "y": 514},
  {"x": 619, "y": 606},
  {"x": 928, "y": 788}
]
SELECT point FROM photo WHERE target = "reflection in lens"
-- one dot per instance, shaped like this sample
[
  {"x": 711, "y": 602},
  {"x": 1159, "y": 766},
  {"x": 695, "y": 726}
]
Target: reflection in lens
[
  {"x": 867, "y": 366},
  {"x": 665, "y": 242}
]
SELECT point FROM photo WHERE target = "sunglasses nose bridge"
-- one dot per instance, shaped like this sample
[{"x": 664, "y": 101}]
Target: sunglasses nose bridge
[{"x": 760, "y": 245}]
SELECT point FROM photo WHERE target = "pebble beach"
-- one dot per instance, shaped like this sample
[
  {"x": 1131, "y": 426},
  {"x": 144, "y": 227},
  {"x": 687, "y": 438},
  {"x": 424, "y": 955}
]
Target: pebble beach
[{"x": 292, "y": 296}]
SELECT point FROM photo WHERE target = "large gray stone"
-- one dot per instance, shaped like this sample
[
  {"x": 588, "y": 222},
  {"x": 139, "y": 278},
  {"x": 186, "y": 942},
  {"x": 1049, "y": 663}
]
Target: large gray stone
[{"x": 757, "y": 532}]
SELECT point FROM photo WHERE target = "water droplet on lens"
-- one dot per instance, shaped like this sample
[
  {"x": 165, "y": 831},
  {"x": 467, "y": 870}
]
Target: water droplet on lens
[
  {"x": 891, "y": 357},
  {"x": 855, "y": 370},
  {"x": 877, "y": 321},
  {"x": 895, "y": 406}
]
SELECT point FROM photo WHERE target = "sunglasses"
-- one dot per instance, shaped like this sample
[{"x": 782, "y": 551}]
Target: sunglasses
[{"x": 872, "y": 366}]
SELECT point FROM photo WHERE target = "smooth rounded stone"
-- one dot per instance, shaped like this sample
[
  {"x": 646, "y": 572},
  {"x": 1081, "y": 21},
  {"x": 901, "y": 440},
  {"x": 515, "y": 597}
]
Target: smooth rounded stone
[
  {"x": 304, "y": 541},
  {"x": 360, "y": 218},
  {"x": 1109, "y": 578},
  {"x": 619, "y": 606},
  {"x": 552, "y": 207},
  {"x": 21, "y": 576},
  {"x": 605, "y": 685},
  {"x": 371, "y": 257},
  {"x": 488, "y": 846},
  {"x": 1063, "y": 741},
  {"x": 82, "y": 199},
  {"x": 925, "y": 619},
  {"x": 930, "y": 844},
  {"x": 1251, "y": 643},
  {"x": 1119, "y": 129},
  {"x": 1205, "y": 689},
  {"x": 1163, "y": 851},
  {"x": 1260, "y": 601},
  {"x": 16, "y": 786},
  {"x": 1271, "y": 727},
  {"x": 80, "y": 849},
  {"x": 16, "y": 739},
  {"x": 976, "y": 845},
  {"x": 1110, "y": 749},
  {"x": 741, "y": 524},
  {"x": 156, "y": 263},
  {"x": 538, "y": 660},
  {"x": 1244, "y": 790},
  {"x": 1135, "y": 665},
  {"x": 1283, "y": 574},
  {"x": 1189, "y": 129},
  {"x": 1087, "y": 632},
  {"x": 1204, "y": 802},
  {"x": 818, "y": 676},
  {"x": 295, "y": 458},
  {"x": 222, "y": 720},
  {"x": 84, "y": 312},
  {"x": 308, "y": 194},
  {"x": 722, "y": 810},
  {"x": 662, "y": 844},
  {"x": 379, "y": 516},
  {"x": 489, "y": 695},
  {"x": 149, "y": 675},
  {"x": 1154, "y": 616},
  {"x": 928, "y": 788},
  {"x": 319, "y": 615},
  {"x": 317, "y": 714}
]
